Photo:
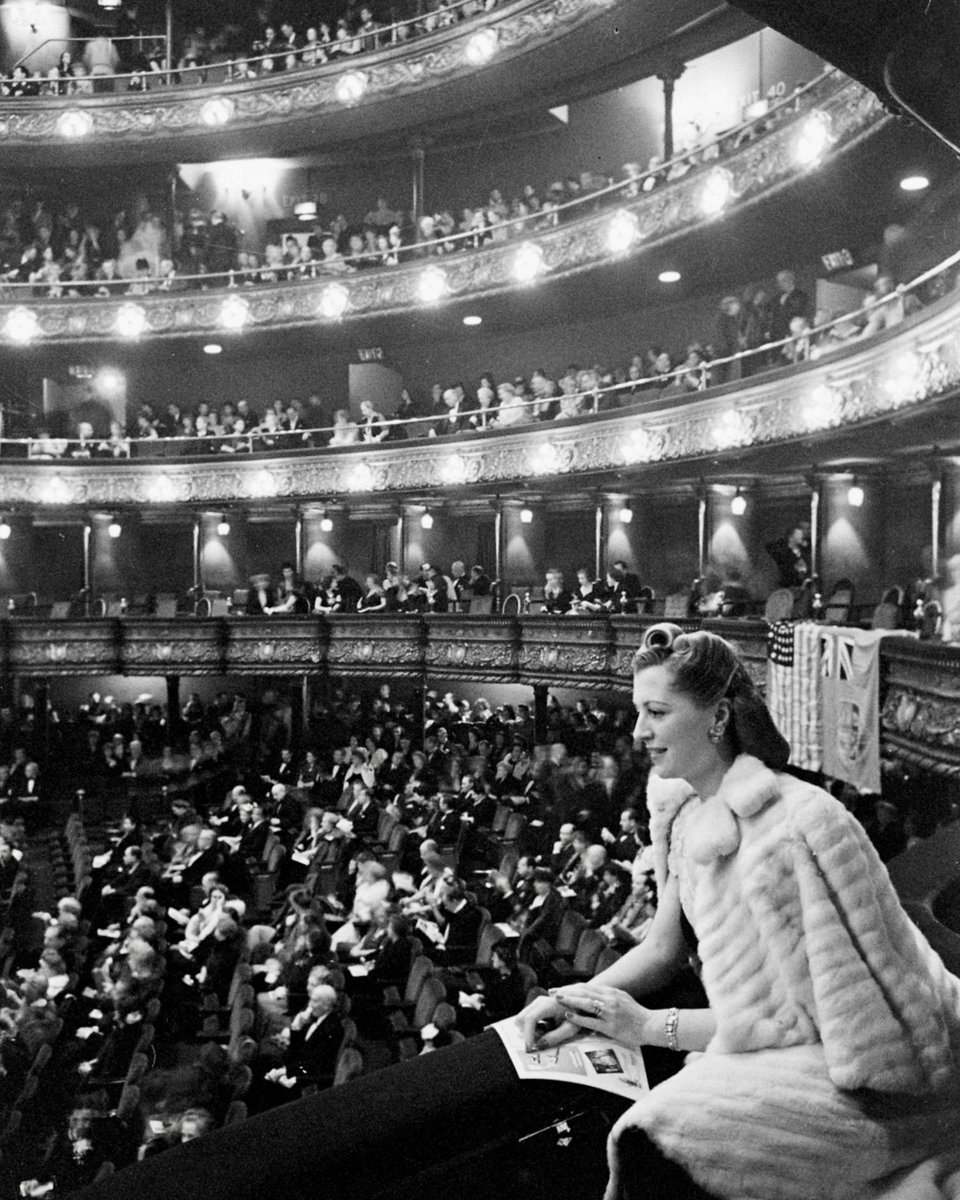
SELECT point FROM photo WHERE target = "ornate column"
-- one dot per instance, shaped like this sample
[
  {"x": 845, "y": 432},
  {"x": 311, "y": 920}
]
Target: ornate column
[
  {"x": 670, "y": 71},
  {"x": 173, "y": 705},
  {"x": 540, "y": 696},
  {"x": 418, "y": 158},
  {"x": 298, "y": 543},
  {"x": 197, "y": 557},
  {"x": 87, "y": 563}
]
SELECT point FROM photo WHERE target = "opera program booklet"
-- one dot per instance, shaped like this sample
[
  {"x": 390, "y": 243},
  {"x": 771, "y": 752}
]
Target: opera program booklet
[{"x": 589, "y": 1059}]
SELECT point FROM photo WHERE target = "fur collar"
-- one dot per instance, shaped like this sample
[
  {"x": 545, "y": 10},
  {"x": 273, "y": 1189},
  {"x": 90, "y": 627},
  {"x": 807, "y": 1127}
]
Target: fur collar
[{"x": 714, "y": 829}]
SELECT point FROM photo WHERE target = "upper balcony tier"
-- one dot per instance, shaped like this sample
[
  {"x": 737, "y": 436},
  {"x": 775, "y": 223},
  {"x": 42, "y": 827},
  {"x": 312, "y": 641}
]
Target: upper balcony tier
[
  {"x": 530, "y": 51},
  {"x": 729, "y": 177},
  {"x": 882, "y": 399}
]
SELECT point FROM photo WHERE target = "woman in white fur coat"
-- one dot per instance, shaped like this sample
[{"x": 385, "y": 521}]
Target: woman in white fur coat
[{"x": 827, "y": 1066}]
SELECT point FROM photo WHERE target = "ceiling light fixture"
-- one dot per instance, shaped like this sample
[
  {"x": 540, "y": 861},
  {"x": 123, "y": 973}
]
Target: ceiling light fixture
[
  {"x": 914, "y": 183},
  {"x": 669, "y": 276},
  {"x": 473, "y": 320},
  {"x": 213, "y": 348}
]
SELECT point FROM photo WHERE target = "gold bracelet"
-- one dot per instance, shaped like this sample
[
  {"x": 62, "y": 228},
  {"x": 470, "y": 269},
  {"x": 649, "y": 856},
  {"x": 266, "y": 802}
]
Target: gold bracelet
[{"x": 670, "y": 1028}]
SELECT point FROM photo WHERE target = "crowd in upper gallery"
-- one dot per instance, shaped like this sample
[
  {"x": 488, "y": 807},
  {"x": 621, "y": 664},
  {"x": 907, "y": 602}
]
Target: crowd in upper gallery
[
  {"x": 133, "y": 59},
  {"x": 69, "y": 249},
  {"x": 770, "y": 326}
]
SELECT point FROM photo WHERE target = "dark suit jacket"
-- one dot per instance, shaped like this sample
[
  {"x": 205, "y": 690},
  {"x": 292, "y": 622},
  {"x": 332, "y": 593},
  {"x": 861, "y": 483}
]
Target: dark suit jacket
[
  {"x": 314, "y": 1057},
  {"x": 543, "y": 923},
  {"x": 207, "y": 860},
  {"x": 462, "y": 931},
  {"x": 254, "y": 839}
]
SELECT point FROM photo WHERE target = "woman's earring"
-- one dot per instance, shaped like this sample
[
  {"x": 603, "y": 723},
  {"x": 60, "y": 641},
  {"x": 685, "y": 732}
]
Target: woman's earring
[{"x": 715, "y": 733}]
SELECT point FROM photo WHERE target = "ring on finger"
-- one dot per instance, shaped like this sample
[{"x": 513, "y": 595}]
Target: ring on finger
[{"x": 598, "y": 1008}]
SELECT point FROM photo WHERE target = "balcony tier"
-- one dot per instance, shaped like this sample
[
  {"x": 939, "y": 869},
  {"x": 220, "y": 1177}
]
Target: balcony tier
[
  {"x": 756, "y": 171},
  {"x": 577, "y": 46},
  {"x": 883, "y": 397}
]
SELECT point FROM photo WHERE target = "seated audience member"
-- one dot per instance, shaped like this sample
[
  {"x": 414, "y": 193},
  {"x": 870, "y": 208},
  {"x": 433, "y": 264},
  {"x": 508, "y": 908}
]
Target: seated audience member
[
  {"x": 590, "y": 595},
  {"x": 540, "y": 921},
  {"x": 345, "y": 432},
  {"x": 372, "y": 890},
  {"x": 556, "y": 598},
  {"x": 314, "y": 1039},
  {"x": 372, "y": 424},
  {"x": 500, "y": 990},
  {"x": 347, "y": 592},
  {"x": 291, "y": 595},
  {"x": 511, "y": 409},
  {"x": 630, "y": 924},
  {"x": 261, "y": 595}
]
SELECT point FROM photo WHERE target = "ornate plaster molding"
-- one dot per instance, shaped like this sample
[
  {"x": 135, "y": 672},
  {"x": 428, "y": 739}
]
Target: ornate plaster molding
[
  {"x": 592, "y": 654},
  {"x": 757, "y": 170},
  {"x": 913, "y": 366},
  {"x": 304, "y": 94}
]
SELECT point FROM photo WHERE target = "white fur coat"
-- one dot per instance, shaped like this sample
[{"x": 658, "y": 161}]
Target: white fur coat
[{"x": 834, "y": 1073}]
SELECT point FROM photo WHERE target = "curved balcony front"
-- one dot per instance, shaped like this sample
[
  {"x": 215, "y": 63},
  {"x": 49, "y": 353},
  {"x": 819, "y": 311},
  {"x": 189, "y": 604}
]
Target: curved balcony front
[
  {"x": 426, "y": 82},
  {"x": 920, "y": 721},
  {"x": 623, "y": 223},
  {"x": 880, "y": 397}
]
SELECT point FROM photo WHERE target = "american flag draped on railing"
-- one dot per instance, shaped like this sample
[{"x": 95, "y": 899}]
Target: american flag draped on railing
[{"x": 793, "y": 689}]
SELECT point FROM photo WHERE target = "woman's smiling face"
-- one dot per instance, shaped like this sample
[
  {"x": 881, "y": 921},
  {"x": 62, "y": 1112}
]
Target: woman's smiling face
[{"x": 673, "y": 727}]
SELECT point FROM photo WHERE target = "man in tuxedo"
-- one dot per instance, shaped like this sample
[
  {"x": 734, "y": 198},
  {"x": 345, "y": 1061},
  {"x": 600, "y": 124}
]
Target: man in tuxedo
[
  {"x": 624, "y": 847},
  {"x": 315, "y": 1037}
]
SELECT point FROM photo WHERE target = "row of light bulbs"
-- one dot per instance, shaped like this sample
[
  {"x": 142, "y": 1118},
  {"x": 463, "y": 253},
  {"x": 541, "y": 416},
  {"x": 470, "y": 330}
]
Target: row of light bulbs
[
  {"x": 528, "y": 263},
  {"x": 738, "y": 507},
  {"x": 350, "y": 88}
]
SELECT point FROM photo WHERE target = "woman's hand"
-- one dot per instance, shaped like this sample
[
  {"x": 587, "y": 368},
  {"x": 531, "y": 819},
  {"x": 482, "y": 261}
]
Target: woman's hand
[
  {"x": 604, "y": 1010},
  {"x": 544, "y": 1010}
]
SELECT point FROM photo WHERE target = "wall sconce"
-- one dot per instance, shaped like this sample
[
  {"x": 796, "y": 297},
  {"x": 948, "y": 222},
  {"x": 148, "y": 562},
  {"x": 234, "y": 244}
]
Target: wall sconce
[
  {"x": 114, "y": 528},
  {"x": 526, "y": 516},
  {"x": 223, "y": 527},
  {"x": 426, "y": 521},
  {"x": 855, "y": 495},
  {"x": 626, "y": 514},
  {"x": 738, "y": 505}
]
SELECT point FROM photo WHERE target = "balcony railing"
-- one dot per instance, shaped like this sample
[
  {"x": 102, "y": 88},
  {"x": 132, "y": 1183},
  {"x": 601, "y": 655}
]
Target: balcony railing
[
  {"x": 920, "y": 722},
  {"x": 841, "y": 111},
  {"x": 900, "y": 372},
  {"x": 306, "y": 94}
]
